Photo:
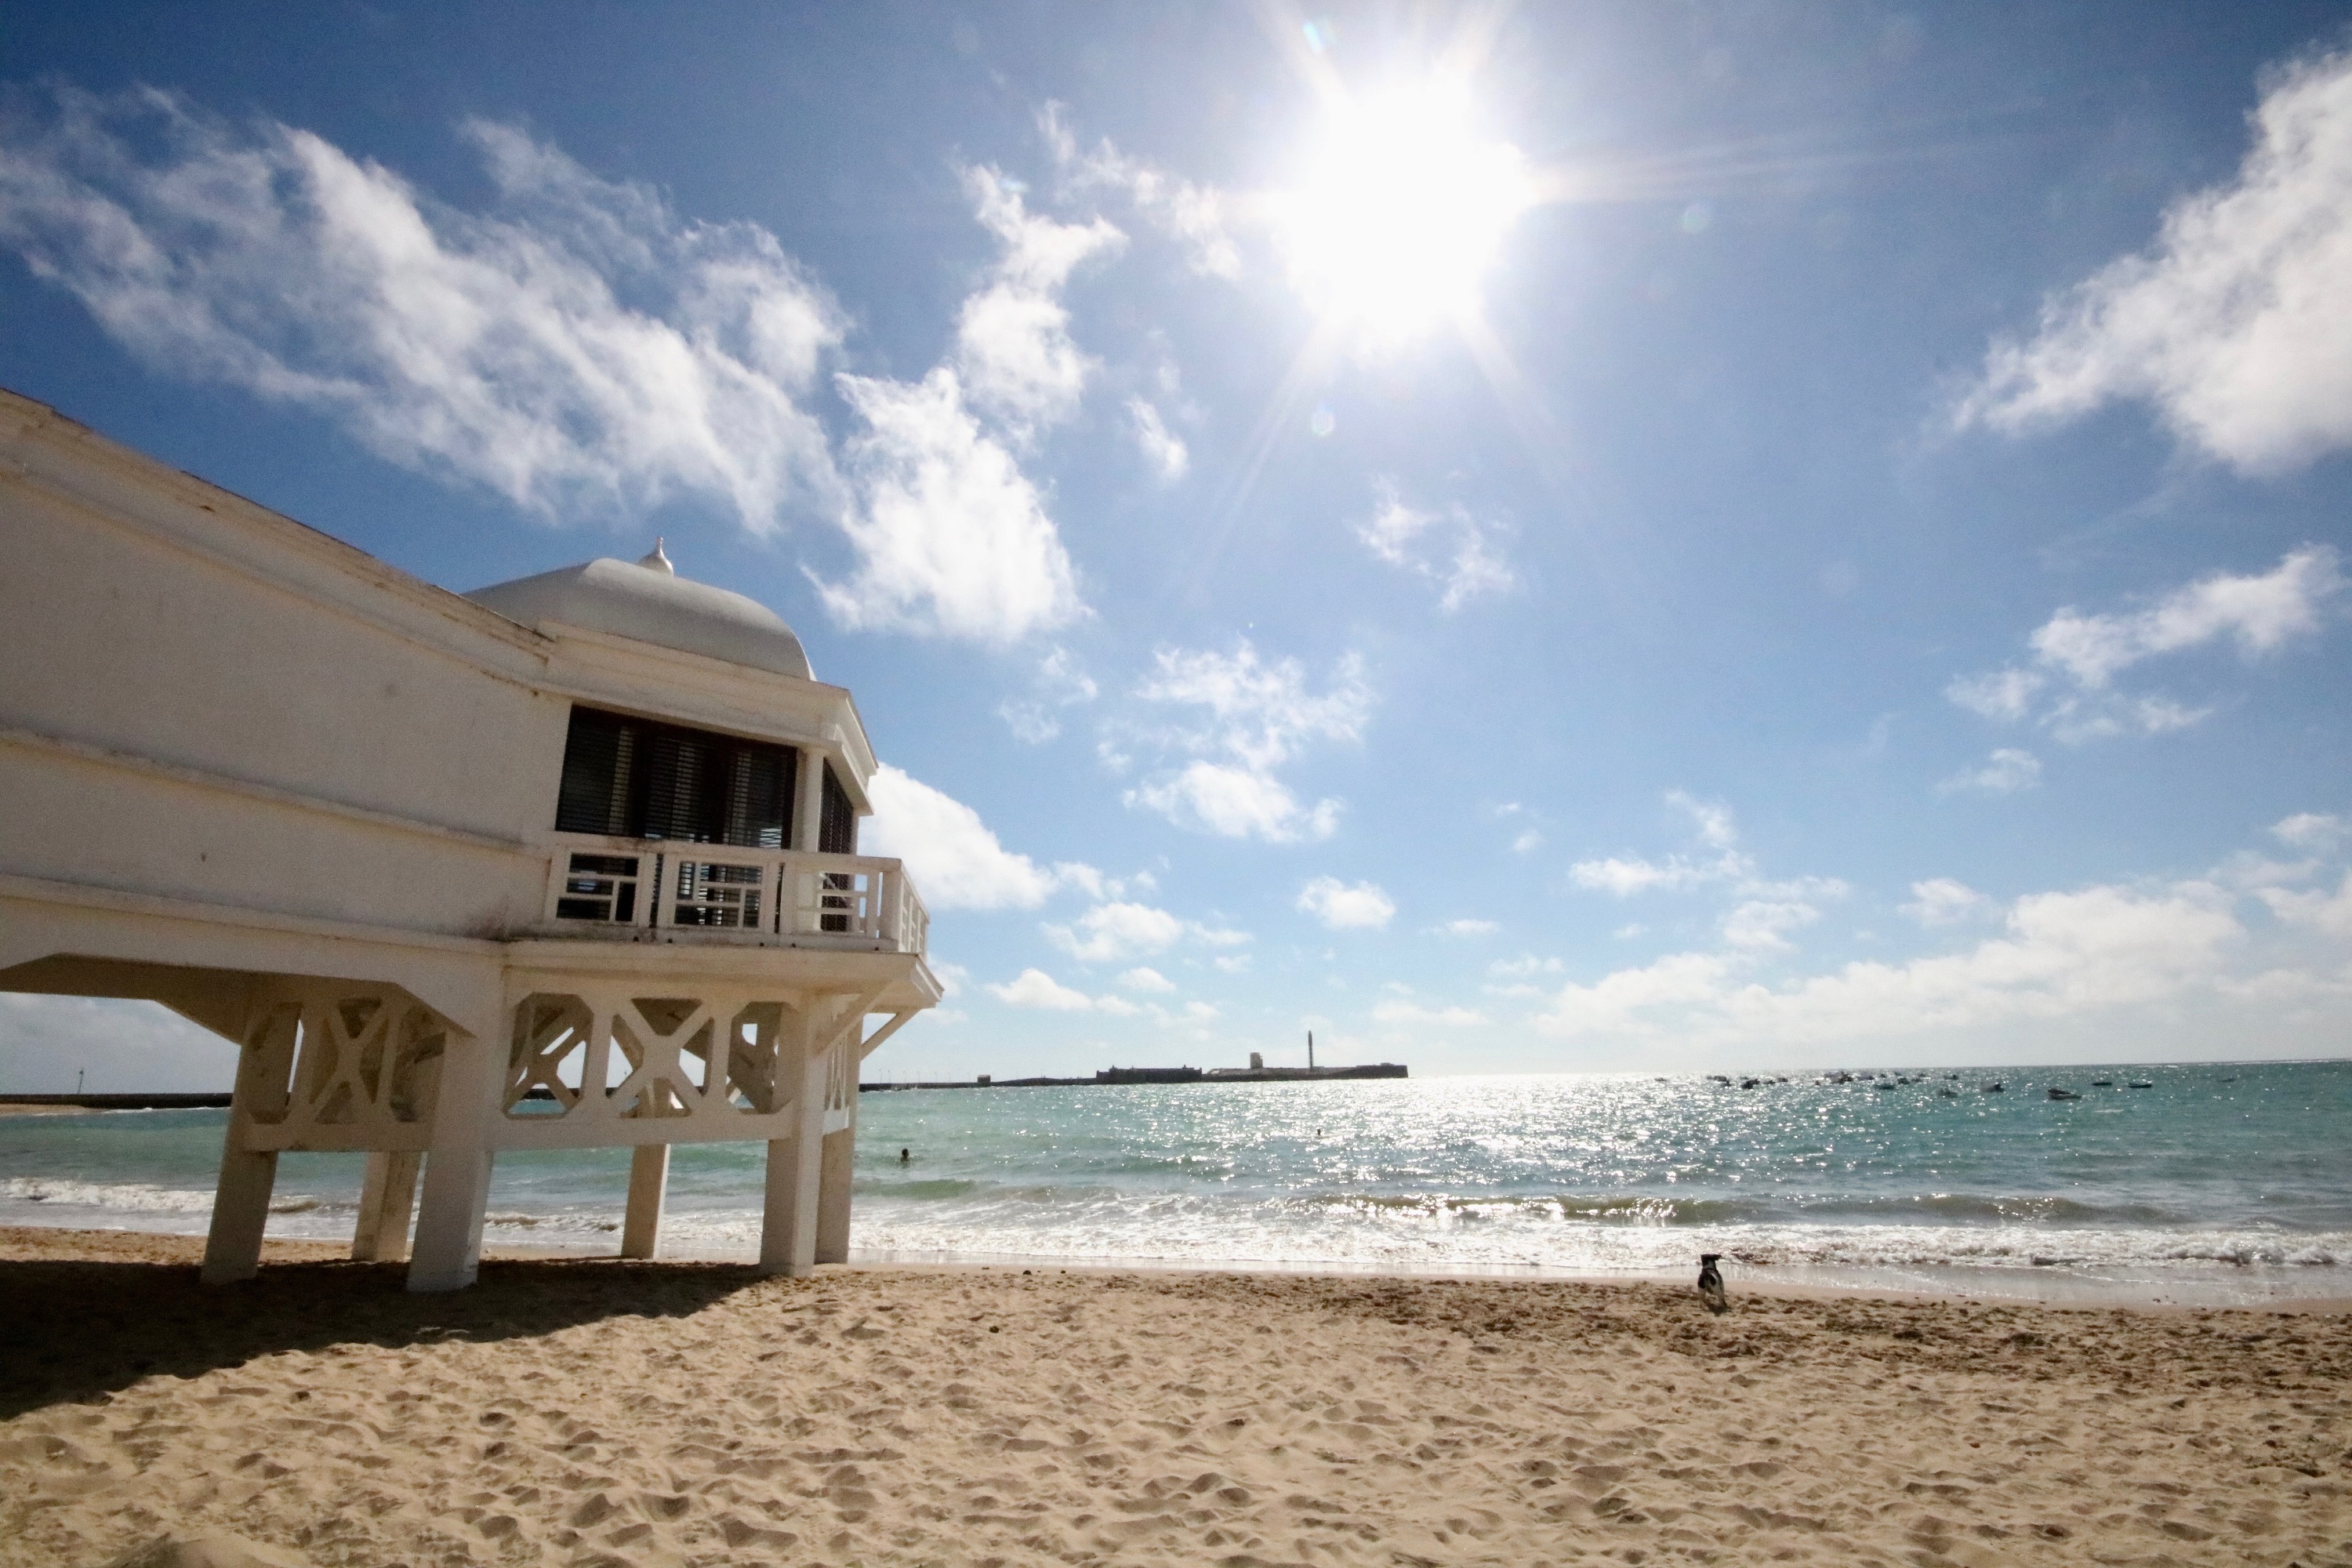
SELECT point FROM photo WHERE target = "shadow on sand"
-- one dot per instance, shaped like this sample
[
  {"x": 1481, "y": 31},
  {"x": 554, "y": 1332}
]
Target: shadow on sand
[{"x": 78, "y": 1329}]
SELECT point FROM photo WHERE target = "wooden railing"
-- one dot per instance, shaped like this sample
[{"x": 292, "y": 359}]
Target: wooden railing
[{"x": 787, "y": 894}]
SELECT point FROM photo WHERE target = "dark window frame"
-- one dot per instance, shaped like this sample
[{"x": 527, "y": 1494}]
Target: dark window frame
[{"x": 626, "y": 777}]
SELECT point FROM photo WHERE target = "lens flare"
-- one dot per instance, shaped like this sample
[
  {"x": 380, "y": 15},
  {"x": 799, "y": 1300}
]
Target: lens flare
[{"x": 1400, "y": 209}]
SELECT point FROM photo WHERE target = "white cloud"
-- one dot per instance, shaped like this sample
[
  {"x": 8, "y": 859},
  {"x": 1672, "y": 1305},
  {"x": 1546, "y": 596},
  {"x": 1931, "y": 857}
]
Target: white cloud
[
  {"x": 1150, "y": 982},
  {"x": 1432, "y": 1017},
  {"x": 2005, "y": 694},
  {"x": 1035, "y": 988},
  {"x": 950, "y": 535},
  {"x": 2006, "y": 772},
  {"x": 1193, "y": 215},
  {"x": 1236, "y": 801},
  {"x": 2259, "y": 613},
  {"x": 1013, "y": 338},
  {"x": 953, "y": 537},
  {"x": 1259, "y": 715},
  {"x": 2317, "y": 832},
  {"x": 2065, "y": 955},
  {"x": 1162, "y": 447},
  {"x": 2232, "y": 324},
  {"x": 1117, "y": 1006},
  {"x": 1716, "y": 830},
  {"x": 1711, "y": 819},
  {"x": 1059, "y": 684},
  {"x": 577, "y": 348},
  {"x": 1527, "y": 843},
  {"x": 1344, "y": 908},
  {"x": 1450, "y": 548},
  {"x": 1108, "y": 932},
  {"x": 1625, "y": 875},
  {"x": 1469, "y": 927},
  {"x": 2079, "y": 654},
  {"x": 1762, "y": 925},
  {"x": 2330, "y": 913},
  {"x": 1943, "y": 900},
  {"x": 1233, "y": 963},
  {"x": 956, "y": 861}
]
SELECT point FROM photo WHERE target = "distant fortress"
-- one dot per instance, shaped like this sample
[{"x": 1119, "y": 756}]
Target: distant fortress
[{"x": 1256, "y": 1072}]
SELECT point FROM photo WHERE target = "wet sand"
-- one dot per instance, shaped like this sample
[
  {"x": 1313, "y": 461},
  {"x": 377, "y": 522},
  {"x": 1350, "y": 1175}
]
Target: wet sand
[{"x": 589, "y": 1411}]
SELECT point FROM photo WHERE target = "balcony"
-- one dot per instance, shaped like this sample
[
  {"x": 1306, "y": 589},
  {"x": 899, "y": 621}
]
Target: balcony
[{"x": 632, "y": 890}]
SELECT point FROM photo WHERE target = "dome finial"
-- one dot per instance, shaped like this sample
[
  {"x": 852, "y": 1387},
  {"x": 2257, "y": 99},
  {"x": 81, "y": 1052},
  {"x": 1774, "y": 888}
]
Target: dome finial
[{"x": 656, "y": 561}]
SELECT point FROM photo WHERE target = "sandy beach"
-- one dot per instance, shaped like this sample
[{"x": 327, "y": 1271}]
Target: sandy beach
[{"x": 594, "y": 1412}]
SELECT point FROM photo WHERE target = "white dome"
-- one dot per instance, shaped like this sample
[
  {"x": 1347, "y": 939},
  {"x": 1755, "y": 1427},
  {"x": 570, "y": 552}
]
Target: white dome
[{"x": 651, "y": 605}]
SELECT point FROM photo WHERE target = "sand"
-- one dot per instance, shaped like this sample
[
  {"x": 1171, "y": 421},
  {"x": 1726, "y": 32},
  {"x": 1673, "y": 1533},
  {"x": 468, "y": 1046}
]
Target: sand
[{"x": 593, "y": 1412}]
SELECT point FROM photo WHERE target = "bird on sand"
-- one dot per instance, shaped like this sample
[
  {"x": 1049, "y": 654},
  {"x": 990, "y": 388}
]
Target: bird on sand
[{"x": 1710, "y": 1283}]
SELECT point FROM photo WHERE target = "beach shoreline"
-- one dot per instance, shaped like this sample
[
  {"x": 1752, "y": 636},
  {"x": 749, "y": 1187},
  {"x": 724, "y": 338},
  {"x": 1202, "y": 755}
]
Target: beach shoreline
[
  {"x": 569, "y": 1410},
  {"x": 2240, "y": 1286}
]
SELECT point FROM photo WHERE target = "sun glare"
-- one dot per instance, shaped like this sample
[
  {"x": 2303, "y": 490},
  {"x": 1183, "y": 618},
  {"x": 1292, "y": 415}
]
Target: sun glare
[{"x": 1400, "y": 209}]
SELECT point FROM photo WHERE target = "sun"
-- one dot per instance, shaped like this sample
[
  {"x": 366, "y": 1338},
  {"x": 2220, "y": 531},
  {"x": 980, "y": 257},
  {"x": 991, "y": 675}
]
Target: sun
[{"x": 1398, "y": 209}]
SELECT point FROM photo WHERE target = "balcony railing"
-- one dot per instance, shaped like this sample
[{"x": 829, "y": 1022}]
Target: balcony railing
[{"x": 784, "y": 895}]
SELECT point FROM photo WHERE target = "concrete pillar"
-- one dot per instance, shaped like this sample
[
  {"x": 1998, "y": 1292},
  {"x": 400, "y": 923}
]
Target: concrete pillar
[
  {"x": 788, "y": 1219},
  {"x": 387, "y": 1200},
  {"x": 837, "y": 1169},
  {"x": 808, "y": 800},
  {"x": 448, "y": 1251},
  {"x": 648, "y": 1182},
  {"x": 240, "y": 1210},
  {"x": 241, "y": 1201}
]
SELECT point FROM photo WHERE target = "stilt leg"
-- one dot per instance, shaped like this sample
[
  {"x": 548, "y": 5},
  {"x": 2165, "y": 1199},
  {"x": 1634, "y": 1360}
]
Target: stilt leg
[
  {"x": 241, "y": 1201},
  {"x": 833, "y": 1193},
  {"x": 450, "y": 1220},
  {"x": 387, "y": 1200},
  {"x": 240, "y": 1210},
  {"x": 457, "y": 1170},
  {"x": 648, "y": 1181},
  {"x": 787, "y": 1224}
]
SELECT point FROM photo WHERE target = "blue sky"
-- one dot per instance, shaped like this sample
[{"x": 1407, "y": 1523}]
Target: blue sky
[{"x": 1578, "y": 538}]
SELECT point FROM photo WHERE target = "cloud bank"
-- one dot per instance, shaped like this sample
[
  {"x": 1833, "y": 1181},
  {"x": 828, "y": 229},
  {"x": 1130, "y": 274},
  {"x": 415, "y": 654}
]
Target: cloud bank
[{"x": 577, "y": 348}]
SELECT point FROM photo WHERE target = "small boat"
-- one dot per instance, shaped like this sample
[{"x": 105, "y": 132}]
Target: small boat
[
  {"x": 2135, "y": 1084},
  {"x": 1885, "y": 1083},
  {"x": 2102, "y": 1083},
  {"x": 2056, "y": 1093},
  {"x": 1995, "y": 1087}
]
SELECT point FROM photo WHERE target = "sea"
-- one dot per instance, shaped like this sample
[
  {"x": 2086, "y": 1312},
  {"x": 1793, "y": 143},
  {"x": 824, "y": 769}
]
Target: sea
[{"x": 2193, "y": 1184}]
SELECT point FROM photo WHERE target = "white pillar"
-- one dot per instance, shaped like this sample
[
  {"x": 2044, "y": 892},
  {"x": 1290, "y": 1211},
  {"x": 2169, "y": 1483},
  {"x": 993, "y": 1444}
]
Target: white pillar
[
  {"x": 838, "y": 1168},
  {"x": 264, "y": 1065},
  {"x": 240, "y": 1210},
  {"x": 788, "y": 1221},
  {"x": 457, "y": 1165},
  {"x": 648, "y": 1182},
  {"x": 808, "y": 800},
  {"x": 387, "y": 1200}
]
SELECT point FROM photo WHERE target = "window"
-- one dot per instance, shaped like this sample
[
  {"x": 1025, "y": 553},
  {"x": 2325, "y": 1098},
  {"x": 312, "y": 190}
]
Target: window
[{"x": 634, "y": 778}]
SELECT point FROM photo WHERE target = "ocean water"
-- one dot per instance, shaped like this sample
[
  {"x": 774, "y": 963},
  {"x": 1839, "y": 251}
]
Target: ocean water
[{"x": 2217, "y": 1184}]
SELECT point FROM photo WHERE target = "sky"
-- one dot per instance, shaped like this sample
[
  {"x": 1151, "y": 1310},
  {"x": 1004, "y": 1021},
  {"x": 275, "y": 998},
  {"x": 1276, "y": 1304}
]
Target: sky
[{"x": 1576, "y": 538}]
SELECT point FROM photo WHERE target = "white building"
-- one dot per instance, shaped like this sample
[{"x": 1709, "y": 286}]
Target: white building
[{"x": 567, "y": 862}]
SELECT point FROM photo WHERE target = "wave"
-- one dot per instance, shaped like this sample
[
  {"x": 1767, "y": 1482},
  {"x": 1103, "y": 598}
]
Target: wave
[
  {"x": 1648, "y": 1209},
  {"x": 136, "y": 1197}
]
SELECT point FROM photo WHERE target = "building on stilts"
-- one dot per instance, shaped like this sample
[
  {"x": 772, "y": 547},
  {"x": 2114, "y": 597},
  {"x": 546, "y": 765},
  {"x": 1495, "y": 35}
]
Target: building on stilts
[{"x": 568, "y": 862}]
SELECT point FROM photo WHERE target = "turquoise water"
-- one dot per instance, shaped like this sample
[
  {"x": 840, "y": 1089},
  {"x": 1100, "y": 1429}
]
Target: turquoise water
[{"x": 2216, "y": 1183}]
